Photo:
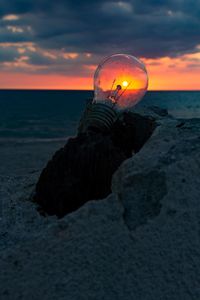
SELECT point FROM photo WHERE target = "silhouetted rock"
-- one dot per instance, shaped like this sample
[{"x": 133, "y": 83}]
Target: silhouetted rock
[{"x": 83, "y": 169}]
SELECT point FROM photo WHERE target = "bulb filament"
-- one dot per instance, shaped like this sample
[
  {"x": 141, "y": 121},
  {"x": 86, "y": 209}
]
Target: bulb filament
[{"x": 115, "y": 95}]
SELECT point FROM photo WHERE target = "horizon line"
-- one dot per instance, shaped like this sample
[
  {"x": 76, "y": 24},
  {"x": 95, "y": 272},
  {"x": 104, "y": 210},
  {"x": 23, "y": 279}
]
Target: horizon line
[{"x": 88, "y": 90}]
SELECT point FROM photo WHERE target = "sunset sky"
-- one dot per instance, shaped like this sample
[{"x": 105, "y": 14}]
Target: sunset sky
[{"x": 46, "y": 44}]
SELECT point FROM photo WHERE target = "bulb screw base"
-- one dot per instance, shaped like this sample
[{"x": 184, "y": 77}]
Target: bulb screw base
[{"x": 99, "y": 116}]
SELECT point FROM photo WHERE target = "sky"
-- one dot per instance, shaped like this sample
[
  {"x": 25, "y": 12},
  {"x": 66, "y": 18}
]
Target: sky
[{"x": 46, "y": 44}]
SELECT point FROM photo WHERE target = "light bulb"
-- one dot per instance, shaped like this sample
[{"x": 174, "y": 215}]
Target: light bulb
[{"x": 120, "y": 81}]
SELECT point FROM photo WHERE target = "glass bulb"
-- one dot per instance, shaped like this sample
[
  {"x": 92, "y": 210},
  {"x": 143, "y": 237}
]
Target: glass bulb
[{"x": 120, "y": 81}]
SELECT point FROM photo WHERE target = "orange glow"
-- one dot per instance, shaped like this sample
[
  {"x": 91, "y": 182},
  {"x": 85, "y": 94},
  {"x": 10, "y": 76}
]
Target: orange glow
[
  {"x": 125, "y": 83},
  {"x": 180, "y": 73},
  {"x": 129, "y": 83},
  {"x": 133, "y": 81},
  {"x": 10, "y": 80},
  {"x": 10, "y": 18}
]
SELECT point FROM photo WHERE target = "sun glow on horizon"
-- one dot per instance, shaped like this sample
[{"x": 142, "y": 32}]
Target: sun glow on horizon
[
  {"x": 165, "y": 73},
  {"x": 125, "y": 83}
]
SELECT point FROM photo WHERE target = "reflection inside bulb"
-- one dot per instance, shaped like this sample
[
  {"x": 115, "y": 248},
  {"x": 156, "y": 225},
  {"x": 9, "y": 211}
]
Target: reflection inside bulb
[
  {"x": 125, "y": 83},
  {"x": 117, "y": 90},
  {"x": 120, "y": 81}
]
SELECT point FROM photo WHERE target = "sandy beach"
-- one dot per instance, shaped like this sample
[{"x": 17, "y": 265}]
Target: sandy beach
[
  {"x": 99, "y": 150},
  {"x": 142, "y": 242}
]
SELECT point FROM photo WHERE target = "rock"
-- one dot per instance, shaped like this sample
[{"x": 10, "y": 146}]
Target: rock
[
  {"x": 141, "y": 242},
  {"x": 83, "y": 169},
  {"x": 132, "y": 131},
  {"x": 79, "y": 172}
]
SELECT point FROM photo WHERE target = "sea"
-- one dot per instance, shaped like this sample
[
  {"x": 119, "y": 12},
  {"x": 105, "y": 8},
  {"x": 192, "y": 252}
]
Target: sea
[
  {"x": 36, "y": 116},
  {"x": 35, "y": 124}
]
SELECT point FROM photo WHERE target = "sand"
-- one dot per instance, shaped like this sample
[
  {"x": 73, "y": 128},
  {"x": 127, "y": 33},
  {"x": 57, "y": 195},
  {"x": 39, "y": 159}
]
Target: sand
[{"x": 142, "y": 242}]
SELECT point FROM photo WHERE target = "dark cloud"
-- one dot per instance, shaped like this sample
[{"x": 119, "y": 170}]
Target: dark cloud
[
  {"x": 149, "y": 28},
  {"x": 8, "y": 54}
]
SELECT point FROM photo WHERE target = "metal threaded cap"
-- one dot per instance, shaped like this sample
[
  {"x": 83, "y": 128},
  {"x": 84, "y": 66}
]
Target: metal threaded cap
[{"x": 97, "y": 115}]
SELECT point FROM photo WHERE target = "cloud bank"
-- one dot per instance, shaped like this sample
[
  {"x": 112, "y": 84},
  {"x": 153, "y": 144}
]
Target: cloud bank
[{"x": 72, "y": 36}]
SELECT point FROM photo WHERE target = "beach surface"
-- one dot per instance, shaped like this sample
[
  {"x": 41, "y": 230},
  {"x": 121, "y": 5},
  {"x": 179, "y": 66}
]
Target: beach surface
[{"x": 141, "y": 242}]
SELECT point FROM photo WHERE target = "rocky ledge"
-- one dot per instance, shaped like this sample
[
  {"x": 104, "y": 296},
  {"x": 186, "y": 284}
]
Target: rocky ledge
[
  {"x": 141, "y": 242},
  {"x": 82, "y": 170}
]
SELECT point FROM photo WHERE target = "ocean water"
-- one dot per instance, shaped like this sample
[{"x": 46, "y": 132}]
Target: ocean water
[{"x": 53, "y": 115}]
